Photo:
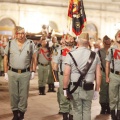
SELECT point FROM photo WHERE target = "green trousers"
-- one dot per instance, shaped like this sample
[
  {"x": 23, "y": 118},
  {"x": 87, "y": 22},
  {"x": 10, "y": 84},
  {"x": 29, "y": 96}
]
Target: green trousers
[
  {"x": 81, "y": 104},
  {"x": 64, "y": 104},
  {"x": 104, "y": 88},
  {"x": 114, "y": 91},
  {"x": 42, "y": 75},
  {"x": 18, "y": 89},
  {"x": 50, "y": 76}
]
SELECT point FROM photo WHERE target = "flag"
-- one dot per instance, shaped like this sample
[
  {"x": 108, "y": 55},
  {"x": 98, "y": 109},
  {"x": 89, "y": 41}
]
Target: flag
[{"x": 77, "y": 14}]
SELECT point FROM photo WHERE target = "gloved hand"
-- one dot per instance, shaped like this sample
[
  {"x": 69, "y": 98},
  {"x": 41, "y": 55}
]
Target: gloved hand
[
  {"x": 96, "y": 95},
  {"x": 56, "y": 84},
  {"x": 67, "y": 94},
  {"x": 6, "y": 76},
  {"x": 32, "y": 75}
]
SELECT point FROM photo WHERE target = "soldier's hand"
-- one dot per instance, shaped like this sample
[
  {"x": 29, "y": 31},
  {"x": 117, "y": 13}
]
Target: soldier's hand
[
  {"x": 6, "y": 76},
  {"x": 32, "y": 75},
  {"x": 67, "y": 94},
  {"x": 107, "y": 79},
  {"x": 96, "y": 95},
  {"x": 56, "y": 84}
]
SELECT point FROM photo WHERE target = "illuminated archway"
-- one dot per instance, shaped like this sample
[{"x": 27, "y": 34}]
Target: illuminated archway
[{"x": 7, "y": 27}]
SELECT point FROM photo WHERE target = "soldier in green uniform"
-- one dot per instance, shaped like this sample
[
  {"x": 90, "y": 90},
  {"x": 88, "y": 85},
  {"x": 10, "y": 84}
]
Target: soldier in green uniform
[
  {"x": 113, "y": 77},
  {"x": 53, "y": 51},
  {"x": 19, "y": 68},
  {"x": 43, "y": 65},
  {"x": 58, "y": 68},
  {"x": 82, "y": 99},
  {"x": 104, "y": 95}
]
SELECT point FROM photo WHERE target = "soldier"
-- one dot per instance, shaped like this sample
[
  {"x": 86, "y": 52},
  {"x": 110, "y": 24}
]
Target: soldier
[
  {"x": 43, "y": 65},
  {"x": 19, "y": 68},
  {"x": 104, "y": 95},
  {"x": 58, "y": 66},
  {"x": 75, "y": 66},
  {"x": 53, "y": 50},
  {"x": 113, "y": 76}
]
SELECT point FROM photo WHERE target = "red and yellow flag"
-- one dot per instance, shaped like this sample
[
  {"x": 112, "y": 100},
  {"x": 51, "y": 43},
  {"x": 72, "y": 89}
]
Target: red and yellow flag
[{"x": 77, "y": 14}]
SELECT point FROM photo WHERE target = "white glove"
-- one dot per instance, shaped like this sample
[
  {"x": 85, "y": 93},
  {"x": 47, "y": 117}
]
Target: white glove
[
  {"x": 96, "y": 95},
  {"x": 56, "y": 84},
  {"x": 6, "y": 76},
  {"x": 65, "y": 92},
  {"x": 32, "y": 75}
]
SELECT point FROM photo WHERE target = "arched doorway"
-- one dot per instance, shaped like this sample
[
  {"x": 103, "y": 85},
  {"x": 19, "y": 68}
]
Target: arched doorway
[
  {"x": 92, "y": 30},
  {"x": 7, "y": 27}
]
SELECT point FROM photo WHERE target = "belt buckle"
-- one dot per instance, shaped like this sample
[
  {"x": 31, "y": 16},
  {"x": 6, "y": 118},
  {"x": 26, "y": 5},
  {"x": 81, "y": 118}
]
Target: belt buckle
[
  {"x": 44, "y": 65},
  {"x": 19, "y": 71}
]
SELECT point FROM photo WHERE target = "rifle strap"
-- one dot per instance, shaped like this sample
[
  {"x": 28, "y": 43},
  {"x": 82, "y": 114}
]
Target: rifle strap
[
  {"x": 9, "y": 52},
  {"x": 84, "y": 71},
  {"x": 112, "y": 58},
  {"x": 101, "y": 61}
]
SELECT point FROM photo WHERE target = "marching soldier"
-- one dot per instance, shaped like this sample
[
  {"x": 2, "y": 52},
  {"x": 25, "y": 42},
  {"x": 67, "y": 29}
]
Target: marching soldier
[
  {"x": 104, "y": 95},
  {"x": 58, "y": 67},
  {"x": 19, "y": 68},
  {"x": 43, "y": 65},
  {"x": 113, "y": 77},
  {"x": 80, "y": 67}
]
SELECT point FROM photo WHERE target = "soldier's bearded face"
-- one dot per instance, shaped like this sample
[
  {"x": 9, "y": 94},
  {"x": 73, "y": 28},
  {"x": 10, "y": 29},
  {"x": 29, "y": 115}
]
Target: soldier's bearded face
[{"x": 69, "y": 41}]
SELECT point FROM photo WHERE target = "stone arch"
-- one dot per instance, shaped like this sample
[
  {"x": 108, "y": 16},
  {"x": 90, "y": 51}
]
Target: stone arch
[
  {"x": 7, "y": 26},
  {"x": 92, "y": 30}
]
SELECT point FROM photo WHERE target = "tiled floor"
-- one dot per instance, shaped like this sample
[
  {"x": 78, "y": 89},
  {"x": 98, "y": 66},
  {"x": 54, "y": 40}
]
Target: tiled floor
[{"x": 39, "y": 107}]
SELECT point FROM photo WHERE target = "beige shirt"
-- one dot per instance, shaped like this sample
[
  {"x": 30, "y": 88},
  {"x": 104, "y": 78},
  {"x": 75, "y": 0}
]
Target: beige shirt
[
  {"x": 81, "y": 56},
  {"x": 20, "y": 59}
]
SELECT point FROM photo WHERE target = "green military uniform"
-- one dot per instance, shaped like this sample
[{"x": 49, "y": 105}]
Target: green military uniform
[
  {"x": 82, "y": 99},
  {"x": 64, "y": 104},
  {"x": 19, "y": 73},
  {"x": 1, "y": 60},
  {"x": 114, "y": 85},
  {"x": 104, "y": 95},
  {"x": 43, "y": 69},
  {"x": 50, "y": 77}
]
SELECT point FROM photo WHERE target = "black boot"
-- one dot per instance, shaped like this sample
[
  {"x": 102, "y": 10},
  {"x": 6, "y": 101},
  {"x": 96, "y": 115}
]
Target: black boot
[
  {"x": 52, "y": 87},
  {"x": 118, "y": 114},
  {"x": 65, "y": 116},
  {"x": 70, "y": 117},
  {"x": 103, "y": 108},
  {"x": 43, "y": 90},
  {"x": 15, "y": 115},
  {"x": 40, "y": 90},
  {"x": 107, "y": 108},
  {"x": 49, "y": 88},
  {"x": 113, "y": 115},
  {"x": 21, "y": 115}
]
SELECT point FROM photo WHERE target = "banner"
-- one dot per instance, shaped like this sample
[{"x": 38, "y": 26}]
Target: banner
[{"x": 77, "y": 14}]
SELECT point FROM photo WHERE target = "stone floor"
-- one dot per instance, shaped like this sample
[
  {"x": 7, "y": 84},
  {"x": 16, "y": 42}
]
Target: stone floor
[{"x": 39, "y": 107}]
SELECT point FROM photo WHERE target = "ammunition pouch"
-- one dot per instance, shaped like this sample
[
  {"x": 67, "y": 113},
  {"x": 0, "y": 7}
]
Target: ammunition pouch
[{"x": 88, "y": 86}]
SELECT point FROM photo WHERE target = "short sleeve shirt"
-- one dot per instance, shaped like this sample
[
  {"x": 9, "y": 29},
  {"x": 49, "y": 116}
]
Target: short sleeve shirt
[
  {"x": 81, "y": 56},
  {"x": 60, "y": 57},
  {"x": 20, "y": 59},
  {"x": 115, "y": 56}
]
